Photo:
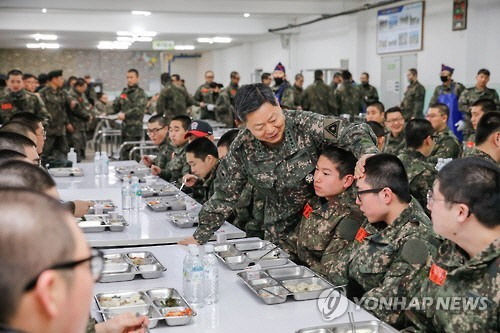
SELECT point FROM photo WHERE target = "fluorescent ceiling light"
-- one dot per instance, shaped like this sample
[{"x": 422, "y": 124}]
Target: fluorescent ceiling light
[
  {"x": 141, "y": 12},
  {"x": 38, "y": 37},
  {"x": 222, "y": 40},
  {"x": 246, "y": 15},
  {"x": 44, "y": 10},
  {"x": 42, "y": 46},
  {"x": 143, "y": 39},
  {"x": 205, "y": 40},
  {"x": 137, "y": 33},
  {"x": 125, "y": 39},
  {"x": 184, "y": 47},
  {"x": 112, "y": 45}
]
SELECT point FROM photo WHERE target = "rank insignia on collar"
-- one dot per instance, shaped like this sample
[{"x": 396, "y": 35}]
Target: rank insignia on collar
[{"x": 309, "y": 178}]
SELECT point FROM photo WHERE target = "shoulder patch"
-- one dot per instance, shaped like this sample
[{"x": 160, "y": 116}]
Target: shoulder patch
[
  {"x": 348, "y": 228},
  {"x": 415, "y": 252},
  {"x": 331, "y": 128}
]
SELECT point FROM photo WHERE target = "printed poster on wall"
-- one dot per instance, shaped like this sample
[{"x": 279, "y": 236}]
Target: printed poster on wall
[{"x": 399, "y": 29}]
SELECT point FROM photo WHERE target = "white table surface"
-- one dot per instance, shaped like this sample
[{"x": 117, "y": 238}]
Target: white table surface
[{"x": 238, "y": 309}]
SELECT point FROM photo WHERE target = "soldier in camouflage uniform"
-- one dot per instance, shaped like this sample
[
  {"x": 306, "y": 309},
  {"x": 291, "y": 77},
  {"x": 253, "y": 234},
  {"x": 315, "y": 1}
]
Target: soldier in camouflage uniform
[
  {"x": 393, "y": 245},
  {"x": 130, "y": 106},
  {"x": 326, "y": 215},
  {"x": 369, "y": 93},
  {"x": 158, "y": 134},
  {"x": 348, "y": 99},
  {"x": 204, "y": 94},
  {"x": 16, "y": 99},
  {"x": 283, "y": 89},
  {"x": 487, "y": 146},
  {"x": 336, "y": 80},
  {"x": 447, "y": 145},
  {"x": 394, "y": 141},
  {"x": 174, "y": 101},
  {"x": 413, "y": 101},
  {"x": 318, "y": 97},
  {"x": 467, "y": 266},
  {"x": 275, "y": 153},
  {"x": 298, "y": 91},
  {"x": 57, "y": 103},
  {"x": 421, "y": 173},
  {"x": 79, "y": 115},
  {"x": 223, "y": 108}
]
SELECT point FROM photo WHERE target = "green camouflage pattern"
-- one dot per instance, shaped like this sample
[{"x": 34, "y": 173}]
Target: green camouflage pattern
[
  {"x": 369, "y": 94},
  {"x": 132, "y": 102},
  {"x": 471, "y": 95},
  {"x": 318, "y": 97},
  {"x": 394, "y": 145},
  {"x": 204, "y": 94},
  {"x": 223, "y": 109},
  {"x": 474, "y": 152},
  {"x": 249, "y": 212},
  {"x": 174, "y": 101},
  {"x": 80, "y": 110},
  {"x": 413, "y": 101},
  {"x": 278, "y": 174},
  {"x": 177, "y": 167},
  {"x": 165, "y": 151},
  {"x": 287, "y": 97},
  {"x": 458, "y": 89},
  {"x": 348, "y": 99},
  {"x": 446, "y": 146},
  {"x": 57, "y": 104},
  {"x": 22, "y": 101},
  {"x": 298, "y": 96}
]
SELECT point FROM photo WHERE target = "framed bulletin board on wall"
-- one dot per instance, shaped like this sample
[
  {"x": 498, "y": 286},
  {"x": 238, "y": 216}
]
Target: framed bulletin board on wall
[{"x": 400, "y": 29}]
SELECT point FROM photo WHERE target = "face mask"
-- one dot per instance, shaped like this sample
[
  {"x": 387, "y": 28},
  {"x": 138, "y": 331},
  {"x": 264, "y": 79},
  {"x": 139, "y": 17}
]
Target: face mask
[
  {"x": 278, "y": 81},
  {"x": 444, "y": 78}
]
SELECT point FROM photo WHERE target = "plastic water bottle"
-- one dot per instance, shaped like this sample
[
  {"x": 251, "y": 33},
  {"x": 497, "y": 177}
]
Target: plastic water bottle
[
  {"x": 126, "y": 202},
  {"x": 97, "y": 163},
  {"x": 135, "y": 193},
  {"x": 72, "y": 157},
  {"x": 193, "y": 277},
  {"x": 104, "y": 163},
  {"x": 211, "y": 275}
]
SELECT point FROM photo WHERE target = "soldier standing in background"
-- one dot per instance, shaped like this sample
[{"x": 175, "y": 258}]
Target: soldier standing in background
[
  {"x": 282, "y": 88},
  {"x": 30, "y": 82},
  {"x": 413, "y": 101},
  {"x": 174, "y": 99},
  {"x": 318, "y": 97},
  {"x": 368, "y": 92},
  {"x": 298, "y": 91},
  {"x": 337, "y": 79},
  {"x": 204, "y": 94},
  {"x": 79, "y": 115},
  {"x": 90, "y": 93},
  {"x": 130, "y": 106},
  {"x": 223, "y": 108},
  {"x": 348, "y": 98},
  {"x": 57, "y": 103},
  {"x": 266, "y": 79}
]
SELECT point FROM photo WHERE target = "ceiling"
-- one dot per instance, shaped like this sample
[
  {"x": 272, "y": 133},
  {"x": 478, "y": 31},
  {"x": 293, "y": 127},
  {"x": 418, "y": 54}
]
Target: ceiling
[{"x": 82, "y": 24}]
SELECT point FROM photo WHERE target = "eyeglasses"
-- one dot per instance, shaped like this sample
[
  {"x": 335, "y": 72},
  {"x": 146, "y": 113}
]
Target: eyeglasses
[
  {"x": 399, "y": 120},
  {"x": 372, "y": 190},
  {"x": 96, "y": 260},
  {"x": 155, "y": 130}
]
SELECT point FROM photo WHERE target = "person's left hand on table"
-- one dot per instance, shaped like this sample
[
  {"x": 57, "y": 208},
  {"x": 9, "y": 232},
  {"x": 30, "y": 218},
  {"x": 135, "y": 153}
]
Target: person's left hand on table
[{"x": 188, "y": 240}]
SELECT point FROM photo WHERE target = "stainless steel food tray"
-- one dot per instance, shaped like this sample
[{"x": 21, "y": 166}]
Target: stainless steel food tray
[
  {"x": 373, "y": 326},
  {"x": 100, "y": 223},
  {"x": 159, "y": 191},
  {"x": 146, "y": 302},
  {"x": 66, "y": 172},
  {"x": 107, "y": 205},
  {"x": 239, "y": 255},
  {"x": 162, "y": 204},
  {"x": 184, "y": 219},
  {"x": 125, "y": 266},
  {"x": 134, "y": 170},
  {"x": 274, "y": 285}
]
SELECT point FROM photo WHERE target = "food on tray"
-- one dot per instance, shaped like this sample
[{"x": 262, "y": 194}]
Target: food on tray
[
  {"x": 180, "y": 313},
  {"x": 303, "y": 286},
  {"x": 137, "y": 261},
  {"x": 115, "y": 301},
  {"x": 152, "y": 203},
  {"x": 169, "y": 302}
]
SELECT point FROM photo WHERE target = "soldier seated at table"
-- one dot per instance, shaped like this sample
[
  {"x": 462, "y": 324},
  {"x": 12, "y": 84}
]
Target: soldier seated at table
[
  {"x": 487, "y": 138},
  {"x": 421, "y": 173},
  {"x": 177, "y": 166},
  {"x": 394, "y": 141},
  {"x": 462, "y": 283},
  {"x": 158, "y": 133},
  {"x": 447, "y": 145},
  {"x": 333, "y": 211},
  {"x": 199, "y": 129},
  {"x": 391, "y": 247},
  {"x": 379, "y": 133}
]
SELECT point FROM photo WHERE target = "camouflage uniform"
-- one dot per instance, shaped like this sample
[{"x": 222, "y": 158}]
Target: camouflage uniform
[
  {"x": 318, "y": 98},
  {"x": 413, "y": 101},
  {"x": 79, "y": 115},
  {"x": 421, "y": 174},
  {"x": 278, "y": 173},
  {"x": 318, "y": 226},
  {"x": 286, "y": 98},
  {"x": 132, "y": 101},
  {"x": 298, "y": 95},
  {"x": 22, "y": 101},
  {"x": 177, "y": 167},
  {"x": 387, "y": 261},
  {"x": 204, "y": 94},
  {"x": 174, "y": 101},
  {"x": 468, "y": 97},
  {"x": 477, "y": 280},
  {"x": 458, "y": 88},
  {"x": 348, "y": 99},
  {"x": 56, "y": 145},
  {"x": 446, "y": 146},
  {"x": 165, "y": 151},
  {"x": 474, "y": 152},
  {"x": 249, "y": 212},
  {"x": 223, "y": 109},
  {"x": 394, "y": 145},
  {"x": 368, "y": 94}
]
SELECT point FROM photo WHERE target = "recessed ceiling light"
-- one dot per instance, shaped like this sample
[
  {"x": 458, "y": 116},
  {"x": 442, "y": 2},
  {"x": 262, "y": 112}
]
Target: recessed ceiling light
[
  {"x": 141, "y": 12},
  {"x": 184, "y": 47},
  {"x": 112, "y": 45},
  {"x": 42, "y": 46},
  {"x": 246, "y": 15},
  {"x": 214, "y": 40},
  {"x": 44, "y": 10},
  {"x": 44, "y": 37}
]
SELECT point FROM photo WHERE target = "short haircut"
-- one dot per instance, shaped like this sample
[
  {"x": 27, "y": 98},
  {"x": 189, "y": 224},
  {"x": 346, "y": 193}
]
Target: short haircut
[
  {"x": 28, "y": 118},
  {"x": 22, "y": 254},
  {"x": 380, "y": 107},
  {"x": 133, "y": 70},
  {"x": 443, "y": 109},
  {"x": 345, "y": 160},
  {"x": 201, "y": 148},
  {"x": 486, "y": 105},
  {"x": 487, "y": 125},
  {"x": 14, "y": 141},
  {"x": 367, "y": 75},
  {"x": 478, "y": 188},
  {"x": 250, "y": 97},
  {"x": 233, "y": 74},
  {"x": 177, "y": 77},
  {"x": 209, "y": 71},
  {"x": 416, "y": 131},
  {"x": 318, "y": 74},
  {"x": 164, "y": 78},
  {"x": 71, "y": 78},
  {"x": 21, "y": 174},
  {"x": 19, "y": 127},
  {"x": 392, "y": 110},
  {"x": 185, "y": 120},
  {"x": 14, "y": 72},
  {"x": 376, "y": 128},
  {"x": 483, "y": 71},
  {"x": 42, "y": 78},
  {"x": 337, "y": 74},
  {"x": 28, "y": 76},
  {"x": 227, "y": 138},
  {"x": 413, "y": 71},
  {"x": 346, "y": 75},
  {"x": 265, "y": 76},
  {"x": 386, "y": 170},
  {"x": 80, "y": 82},
  {"x": 298, "y": 76},
  {"x": 159, "y": 119},
  {"x": 8, "y": 155}
]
